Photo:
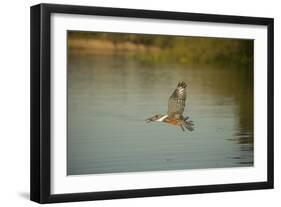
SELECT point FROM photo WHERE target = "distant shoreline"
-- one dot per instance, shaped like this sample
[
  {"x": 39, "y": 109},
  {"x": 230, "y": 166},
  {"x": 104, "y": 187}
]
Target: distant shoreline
[
  {"x": 107, "y": 46},
  {"x": 162, "y": 50}
]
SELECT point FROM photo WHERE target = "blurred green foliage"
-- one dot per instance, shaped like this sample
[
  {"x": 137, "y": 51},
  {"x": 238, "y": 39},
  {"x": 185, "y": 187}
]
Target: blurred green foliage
[{"x": 179, "y": 49}]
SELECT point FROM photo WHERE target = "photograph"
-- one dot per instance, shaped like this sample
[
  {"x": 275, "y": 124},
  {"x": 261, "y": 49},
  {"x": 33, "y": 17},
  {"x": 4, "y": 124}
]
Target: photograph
[
  {"x": 152, "y": 102},
  {"x": 129, "y": 103}
]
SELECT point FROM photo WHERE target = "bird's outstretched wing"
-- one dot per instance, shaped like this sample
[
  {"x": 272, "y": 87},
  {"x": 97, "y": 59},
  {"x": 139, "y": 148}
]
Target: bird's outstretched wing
[{"x": 176, "y": 102}]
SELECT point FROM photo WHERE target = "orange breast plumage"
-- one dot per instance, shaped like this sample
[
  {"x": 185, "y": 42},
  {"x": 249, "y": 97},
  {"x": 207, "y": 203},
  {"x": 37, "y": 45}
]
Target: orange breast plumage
[{"x": 173, "y": 122}]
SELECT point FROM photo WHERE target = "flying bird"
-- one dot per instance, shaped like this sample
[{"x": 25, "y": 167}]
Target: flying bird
[{"x": 176, "y": 106}]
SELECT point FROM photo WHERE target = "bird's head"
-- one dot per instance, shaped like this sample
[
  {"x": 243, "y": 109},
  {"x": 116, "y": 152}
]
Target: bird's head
[{"x": 157, "y": 117}]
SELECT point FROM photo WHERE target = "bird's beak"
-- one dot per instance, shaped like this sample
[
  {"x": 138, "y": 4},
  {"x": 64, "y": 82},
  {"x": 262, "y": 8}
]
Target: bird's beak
[{"x": 148, "y": 120}]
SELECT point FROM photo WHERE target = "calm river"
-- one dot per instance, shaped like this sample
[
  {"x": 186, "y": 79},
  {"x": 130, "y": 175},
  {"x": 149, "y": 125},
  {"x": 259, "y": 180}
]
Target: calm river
[{"x": 109, "y": 97}]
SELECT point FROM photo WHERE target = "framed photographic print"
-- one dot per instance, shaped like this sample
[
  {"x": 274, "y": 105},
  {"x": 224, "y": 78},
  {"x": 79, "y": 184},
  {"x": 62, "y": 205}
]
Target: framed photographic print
[{"x": 133, "y": 103}]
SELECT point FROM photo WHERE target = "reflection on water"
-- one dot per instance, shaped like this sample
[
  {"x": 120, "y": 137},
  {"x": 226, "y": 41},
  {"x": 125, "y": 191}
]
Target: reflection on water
[{"x": 109, "y": 97}]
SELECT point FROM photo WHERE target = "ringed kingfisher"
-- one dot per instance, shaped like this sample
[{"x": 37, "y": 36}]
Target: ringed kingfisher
[{"x": 176, "y": 106}]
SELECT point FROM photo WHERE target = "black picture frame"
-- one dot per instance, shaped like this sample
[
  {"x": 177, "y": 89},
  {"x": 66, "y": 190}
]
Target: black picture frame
[{"x": 40, "y": 184}]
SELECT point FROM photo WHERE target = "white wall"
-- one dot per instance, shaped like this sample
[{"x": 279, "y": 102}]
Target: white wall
[{"x": 14, "y": 109}]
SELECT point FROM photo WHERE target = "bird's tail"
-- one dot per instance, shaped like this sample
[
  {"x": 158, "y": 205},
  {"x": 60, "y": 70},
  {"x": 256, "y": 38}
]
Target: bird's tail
[{"x": 187, "y": 124}]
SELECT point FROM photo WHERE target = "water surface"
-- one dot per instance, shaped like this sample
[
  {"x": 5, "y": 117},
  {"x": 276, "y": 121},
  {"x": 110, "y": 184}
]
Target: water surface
[{"x": 109, "y": 97}]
